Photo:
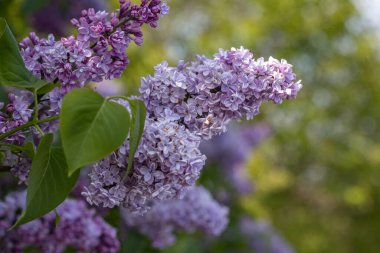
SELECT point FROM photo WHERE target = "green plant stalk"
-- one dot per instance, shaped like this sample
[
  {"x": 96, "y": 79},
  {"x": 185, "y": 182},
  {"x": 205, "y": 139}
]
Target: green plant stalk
[
  {"x": 35, "y": 116},
  {"x": 27, "y": 125},
  {"x": 117, "y": 97}
]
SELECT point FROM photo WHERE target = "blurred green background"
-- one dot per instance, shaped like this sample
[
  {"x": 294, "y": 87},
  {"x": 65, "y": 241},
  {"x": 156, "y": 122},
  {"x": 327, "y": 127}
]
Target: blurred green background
[{"x": 318, "y": 176}]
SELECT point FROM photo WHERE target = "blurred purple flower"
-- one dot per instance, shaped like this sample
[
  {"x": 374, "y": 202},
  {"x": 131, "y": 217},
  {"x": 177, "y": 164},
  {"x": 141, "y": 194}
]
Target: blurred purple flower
[
  {"x": 196, "y": 211},
  {"x": 262, "y": 237},
  {"x": 79, "y": 228}
]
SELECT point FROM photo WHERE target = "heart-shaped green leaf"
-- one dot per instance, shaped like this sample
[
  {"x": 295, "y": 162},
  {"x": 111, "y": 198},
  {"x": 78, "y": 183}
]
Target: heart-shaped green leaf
[
  {"x": 137, "y": 128},
  {"x": 91, "y": 127},
  {"x": 12, "y": 69},
  {"x": 49, "y": 183}
]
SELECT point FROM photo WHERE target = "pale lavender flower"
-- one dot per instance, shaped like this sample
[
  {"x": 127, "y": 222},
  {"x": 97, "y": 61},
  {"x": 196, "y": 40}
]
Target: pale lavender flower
[
  {"x": 197, "y": 211},
  {"x": 208, "y": 93},
  {"x": 79, "y": 228}
]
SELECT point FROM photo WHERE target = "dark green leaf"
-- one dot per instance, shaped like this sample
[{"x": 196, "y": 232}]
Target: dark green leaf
[
  {"x": 3, "y": 95},
  {"x": 91, "y": 127},
  {"x": 31, "y": 6},
  {"x": 12, "y": 69},
  {"x": 48, "y": 184},
  {"x": 28, "y": 148},
  {"x": 137, "y": 128},
  {"x": 47, "y": 88}
]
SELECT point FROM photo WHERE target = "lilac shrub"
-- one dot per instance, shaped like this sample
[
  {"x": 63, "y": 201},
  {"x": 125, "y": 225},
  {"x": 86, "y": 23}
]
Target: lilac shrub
[
  {"x": 196, "y": 211},
  {"x": 186, "y": 105},
  {"x": 95, "y": 54},
  {"x": 79, "y": 228}
]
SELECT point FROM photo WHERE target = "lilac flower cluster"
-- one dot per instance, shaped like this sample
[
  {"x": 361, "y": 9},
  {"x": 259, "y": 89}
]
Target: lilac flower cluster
[
  {"x": 230, "y": 150},
  {"x": 262, "y": 237},
  {"x": 166, "y": 163},
  {"x": 208, "y": 93},
  {"x": 196, "y": 211},
  {"x": 98, "y": 51},
  {"x": 79, "y": 228},
  {"x": 185, "y": 104}
]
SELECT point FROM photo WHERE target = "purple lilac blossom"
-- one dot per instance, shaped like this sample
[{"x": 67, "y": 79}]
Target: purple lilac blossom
[
  {"x": 185, "y": 104},
  {"x": 229, "y": 151},
  {"x": 95, "y": 54},
  {"x": 79, "y": 228},
  {"x": 208, "y": 93},
  {"x": 262, "y": 237},
  {"x": 166, "y": 163},
  {"x": 196, "y": 211}
]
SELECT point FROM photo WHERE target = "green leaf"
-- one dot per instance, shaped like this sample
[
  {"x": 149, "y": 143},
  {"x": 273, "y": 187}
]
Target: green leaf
[
  {"x": 12, "y": 69},
  {"x": 91, "y": 127},
  {"x": 31, "y": 6},
  {"x": 137, "y": 128},
  {"x": 47, "y": 88},
  {"x": 48, "y": 184},
  {"x": 28, "y": 148}
]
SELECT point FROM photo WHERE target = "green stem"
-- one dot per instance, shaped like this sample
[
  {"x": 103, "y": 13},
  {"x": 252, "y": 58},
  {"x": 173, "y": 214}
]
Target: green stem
[
  {"x": 39, "y": 129},
  {"x": 11, "y": 146},
  {"x": 116, "y": 97},
  {"x": 35, "y": 116},
  {"x": 27, "y": 125}
]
